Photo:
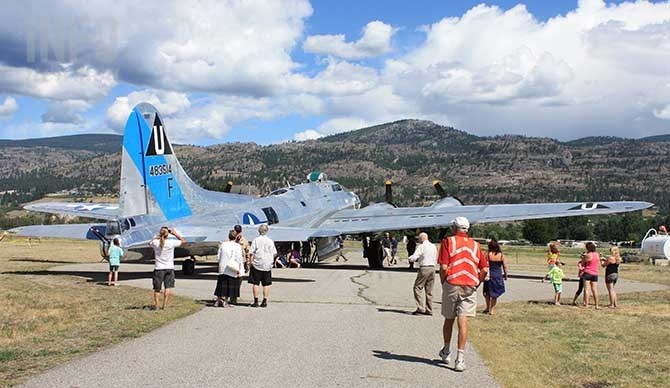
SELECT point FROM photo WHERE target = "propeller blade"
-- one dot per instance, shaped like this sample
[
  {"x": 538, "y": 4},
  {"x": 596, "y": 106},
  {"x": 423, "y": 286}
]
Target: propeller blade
[
  {"x": 439, "y": 189},
  {"x": 228, "y": 187},
  {"x": 389, "y": 191}
]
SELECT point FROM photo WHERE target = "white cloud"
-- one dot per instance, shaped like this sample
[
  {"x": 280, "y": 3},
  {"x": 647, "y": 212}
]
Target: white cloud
[
  {"x": 331, "y": 127},
  {"x": 663, "y": 113},
  {"x": 68, "y": 111},
  {"x": 309, "y": 134},
  {"x": 595, "y": 70},
  {"x": 189, "y": 121},
  {"x": 599, "y": 69},
  {"x": 376, "y": 41},
  {"x": 338, "y": 78},
  {"x": 168, "y": 103},
  {"x": 82, "y": 84},
  {"x": 8, "y": 107},
  {"x": 225, "y": 46}
]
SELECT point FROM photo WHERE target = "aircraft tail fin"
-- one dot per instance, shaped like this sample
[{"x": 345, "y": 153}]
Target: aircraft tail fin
[{"x": 152, "y": 180}]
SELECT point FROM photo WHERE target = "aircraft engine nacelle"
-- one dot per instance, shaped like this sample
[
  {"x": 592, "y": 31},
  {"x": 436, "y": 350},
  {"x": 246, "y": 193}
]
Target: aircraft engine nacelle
[
  {"x": 326, "y": 247},
  {"x": 447, "y": 202},
  {"x": 656, "y": 246}
]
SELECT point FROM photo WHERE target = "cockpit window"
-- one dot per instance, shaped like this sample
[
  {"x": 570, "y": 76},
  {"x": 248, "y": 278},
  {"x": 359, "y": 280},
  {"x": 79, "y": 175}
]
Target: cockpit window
[
  {"x": 337, "y": 187},
  {"x": 271, "y": 215},
  {"x": 278, "y": 192}
]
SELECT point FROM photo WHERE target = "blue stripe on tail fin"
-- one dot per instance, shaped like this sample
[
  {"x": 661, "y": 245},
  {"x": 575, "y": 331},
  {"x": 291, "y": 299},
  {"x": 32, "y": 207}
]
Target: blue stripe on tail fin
[{"x": 151, "y": 177}]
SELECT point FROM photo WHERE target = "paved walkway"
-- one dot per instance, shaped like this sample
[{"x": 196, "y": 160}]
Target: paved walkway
[{"x": 326, "y": 327}]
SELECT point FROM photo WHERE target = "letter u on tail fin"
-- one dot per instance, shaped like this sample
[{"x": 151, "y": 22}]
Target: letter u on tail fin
[{"x": 152, "y": 180}]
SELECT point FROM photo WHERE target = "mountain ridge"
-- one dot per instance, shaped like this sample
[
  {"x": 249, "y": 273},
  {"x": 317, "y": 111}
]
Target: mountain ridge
[
  {"x": 98, "y": 140},
  {"x": 487, "y": 169}
]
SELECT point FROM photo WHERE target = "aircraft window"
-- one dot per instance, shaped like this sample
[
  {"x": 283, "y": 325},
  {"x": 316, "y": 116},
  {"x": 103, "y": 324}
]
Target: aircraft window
[
  {"x": 113, "y": 227},
  {"x": 337, "y": 187},
  {"x": 132, "y": 222},
  {"x": 271, "y": 215},
  {"x": 303, "y": 203},
  {"x": 126, "y": 225},
  {"x": 278, "y": 192}
]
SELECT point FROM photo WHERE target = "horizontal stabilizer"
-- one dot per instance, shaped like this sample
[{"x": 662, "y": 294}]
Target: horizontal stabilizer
[
  {"x": 102, "y": 211},
  {"x": 74, "y": 231}
]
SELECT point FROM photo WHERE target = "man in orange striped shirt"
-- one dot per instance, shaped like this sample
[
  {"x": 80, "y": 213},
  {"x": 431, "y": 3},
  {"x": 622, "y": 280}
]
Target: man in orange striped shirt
[{"x": 463, "y": 267}]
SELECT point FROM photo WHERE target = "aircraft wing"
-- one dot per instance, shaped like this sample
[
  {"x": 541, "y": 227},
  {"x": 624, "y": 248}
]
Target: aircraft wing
[
  {"x": 102, "y": 211},
  {"x": 381, "y": 217}
]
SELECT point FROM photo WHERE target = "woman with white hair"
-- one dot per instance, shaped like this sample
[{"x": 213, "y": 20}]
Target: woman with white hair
[{"x": 262, "y": 252}]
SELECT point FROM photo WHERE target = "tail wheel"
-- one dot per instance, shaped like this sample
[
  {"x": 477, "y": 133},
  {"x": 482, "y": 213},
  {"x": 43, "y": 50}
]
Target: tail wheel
[{"x": 188, "y": 267}]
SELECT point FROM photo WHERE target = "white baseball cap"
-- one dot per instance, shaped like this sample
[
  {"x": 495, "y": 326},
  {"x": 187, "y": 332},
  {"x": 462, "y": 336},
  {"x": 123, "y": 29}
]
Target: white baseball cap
[{"x": 461, "y": 223}]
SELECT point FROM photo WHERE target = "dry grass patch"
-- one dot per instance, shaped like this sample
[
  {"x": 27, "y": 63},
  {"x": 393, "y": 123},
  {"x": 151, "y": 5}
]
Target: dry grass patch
[
  {"x": 48, "y": 319},
  {"x": 529, "y": 344}
]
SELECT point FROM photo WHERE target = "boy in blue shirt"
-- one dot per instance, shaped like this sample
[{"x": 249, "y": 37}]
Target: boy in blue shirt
[
  {"x": 556, "y": 276},
  {"x": 115, "y": 252}
]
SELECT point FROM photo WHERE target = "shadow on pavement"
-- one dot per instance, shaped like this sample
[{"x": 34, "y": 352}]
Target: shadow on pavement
[
  {"x": 42, "y": 261},
  {"x": 397, "y": 311},
  {"x": 101, "y": 276},
  {"x": 402, "y": 357}
]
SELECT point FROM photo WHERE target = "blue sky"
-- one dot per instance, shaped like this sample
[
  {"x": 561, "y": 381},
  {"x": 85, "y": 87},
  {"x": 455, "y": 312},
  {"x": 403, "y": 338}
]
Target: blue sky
[{"x": 296, "y": 70}]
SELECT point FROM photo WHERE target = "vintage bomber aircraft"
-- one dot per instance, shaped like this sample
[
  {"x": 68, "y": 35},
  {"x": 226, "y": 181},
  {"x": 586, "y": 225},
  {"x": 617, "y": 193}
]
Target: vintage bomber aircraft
[{"x": 156, "y": 191}]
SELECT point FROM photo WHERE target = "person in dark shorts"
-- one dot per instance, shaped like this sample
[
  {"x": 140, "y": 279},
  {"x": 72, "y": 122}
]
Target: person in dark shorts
[
  {"x": 591, "y": 262},
  {"x": 394, "y": 250},
  {"x": 164, "y": 263},
  {"x": 611, "y": 265},
  {"x": 114, "y": 253},
  {"x": 262, "y": 252},
  {"x": 580, "y": 287},
  {"x": 411, "y": 247},
  {"x": 231, "y": 266}
]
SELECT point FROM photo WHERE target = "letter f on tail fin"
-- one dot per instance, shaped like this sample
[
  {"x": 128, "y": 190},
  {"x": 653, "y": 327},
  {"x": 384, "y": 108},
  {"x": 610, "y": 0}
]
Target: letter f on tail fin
[{"x": 152, "y": 180}]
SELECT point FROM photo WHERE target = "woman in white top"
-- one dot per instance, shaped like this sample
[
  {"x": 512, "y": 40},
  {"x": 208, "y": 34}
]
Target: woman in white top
[{"x": 231, "y": 267}]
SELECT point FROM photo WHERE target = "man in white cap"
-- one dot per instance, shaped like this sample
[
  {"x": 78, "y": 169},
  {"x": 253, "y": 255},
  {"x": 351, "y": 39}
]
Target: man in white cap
[{"x": 463, "y": 267}]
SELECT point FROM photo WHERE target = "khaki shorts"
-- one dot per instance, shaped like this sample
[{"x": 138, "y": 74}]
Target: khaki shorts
[{"x": 458, "y": 301}]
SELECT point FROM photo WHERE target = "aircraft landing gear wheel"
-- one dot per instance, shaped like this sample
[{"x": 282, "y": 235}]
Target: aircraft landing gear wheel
[{"x": 188, "y": 268}]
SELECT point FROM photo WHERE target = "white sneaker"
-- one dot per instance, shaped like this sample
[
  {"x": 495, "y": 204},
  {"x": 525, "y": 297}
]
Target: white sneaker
[
  {"x": 445, "y": 355},
  {"x": 460, "y": 365}
]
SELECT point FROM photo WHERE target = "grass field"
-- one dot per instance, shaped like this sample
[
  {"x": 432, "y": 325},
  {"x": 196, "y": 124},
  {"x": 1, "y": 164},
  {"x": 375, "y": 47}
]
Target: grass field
[
  {"x": 541, "y": 345},
  {"x": 48, "y": 320},
  {"x": 567, "y": 346}
]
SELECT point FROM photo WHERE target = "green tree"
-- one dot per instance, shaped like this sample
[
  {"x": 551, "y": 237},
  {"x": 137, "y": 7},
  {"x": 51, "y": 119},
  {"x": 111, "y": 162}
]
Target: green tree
[
  {"x": 575, "y": 228},
  {"x": 540, "y": 231}
]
